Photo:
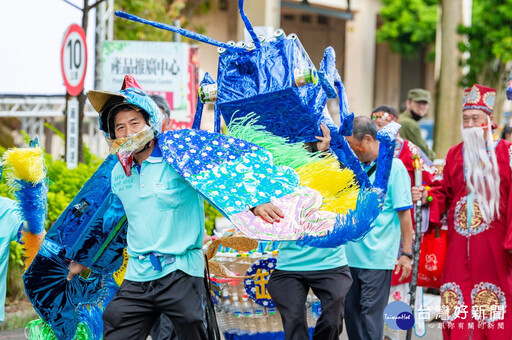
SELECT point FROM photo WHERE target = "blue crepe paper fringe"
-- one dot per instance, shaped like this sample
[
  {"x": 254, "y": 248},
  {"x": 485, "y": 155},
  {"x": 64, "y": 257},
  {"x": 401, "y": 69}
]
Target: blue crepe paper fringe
[
  {"x": 32, "y": 202},
  {"x": 90, "y": 314},
  {"x": 387, "y": 138}
]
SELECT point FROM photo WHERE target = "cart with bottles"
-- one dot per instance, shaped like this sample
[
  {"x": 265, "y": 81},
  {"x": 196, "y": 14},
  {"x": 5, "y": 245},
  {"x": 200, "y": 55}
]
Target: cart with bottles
[{"x": 244, "y": 307}]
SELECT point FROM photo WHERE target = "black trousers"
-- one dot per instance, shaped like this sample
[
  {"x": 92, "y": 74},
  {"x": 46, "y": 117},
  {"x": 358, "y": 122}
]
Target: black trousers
[
  {"x": 366, "y": 301},
  {"x": 163, "y": 329},
  {"x": 137, "y": 305},
  {"x": 289, "y": 291}
]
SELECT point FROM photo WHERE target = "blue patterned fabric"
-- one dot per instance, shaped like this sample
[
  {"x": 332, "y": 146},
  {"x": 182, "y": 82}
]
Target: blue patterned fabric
[{"x": 232, "y": 174}]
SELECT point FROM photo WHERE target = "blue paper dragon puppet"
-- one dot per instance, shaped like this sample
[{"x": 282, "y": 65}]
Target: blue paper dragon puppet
[
  {"x": 270, "y": 93},
  {"x": 273, "y": 99}
]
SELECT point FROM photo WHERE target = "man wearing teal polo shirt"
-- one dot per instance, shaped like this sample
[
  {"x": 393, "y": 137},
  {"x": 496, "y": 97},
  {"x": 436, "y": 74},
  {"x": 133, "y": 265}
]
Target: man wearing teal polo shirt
[
  {"x": 10, "y": 224},
  {"x": 165, "y": 224},
  {"x": 324, "y": 270},
  {"x": 372, "y": 259}
]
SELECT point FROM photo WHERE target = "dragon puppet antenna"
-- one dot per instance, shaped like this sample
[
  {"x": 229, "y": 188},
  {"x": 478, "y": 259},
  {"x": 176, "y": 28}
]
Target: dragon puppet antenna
[
  {"x": 184, "y": 32},
  {"x": 248, "y": 25}
]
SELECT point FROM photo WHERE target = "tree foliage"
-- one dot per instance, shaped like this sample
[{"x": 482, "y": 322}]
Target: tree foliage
[
  {"x": 489, "y": 43},
  {"x": 164, "y": 11},
  {"x": 409, "y": 26}
]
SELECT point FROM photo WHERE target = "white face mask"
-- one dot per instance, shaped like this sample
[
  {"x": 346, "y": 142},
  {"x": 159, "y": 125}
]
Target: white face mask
[
  {"x": 132, "y": 143},
  {"x": 481, "y": 169},
  {"x": 126, "y": 147}
]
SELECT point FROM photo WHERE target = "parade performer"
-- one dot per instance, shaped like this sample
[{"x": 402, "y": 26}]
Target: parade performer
[
  {"x": 324, "y": 270},
  {"x": 475, "y": 191},
  {"x": 22, "y": 220},
  {"x": 407, "y": 152},
  {"x": 10, "y": 224},
  {"x": 372, "y": 259},
  {"x": 231, "y": 173},
  {"x": 166, "y": 266},
  {"x": 163, "y": 328}
]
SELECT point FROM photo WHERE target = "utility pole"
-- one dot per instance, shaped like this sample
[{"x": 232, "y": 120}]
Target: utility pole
[
  {"x": 81, "y": 97},
  {"x": 104, "y": 32}
]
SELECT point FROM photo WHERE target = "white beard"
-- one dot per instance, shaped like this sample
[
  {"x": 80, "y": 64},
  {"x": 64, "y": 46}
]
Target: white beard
[{"x": 481, "y": 169}]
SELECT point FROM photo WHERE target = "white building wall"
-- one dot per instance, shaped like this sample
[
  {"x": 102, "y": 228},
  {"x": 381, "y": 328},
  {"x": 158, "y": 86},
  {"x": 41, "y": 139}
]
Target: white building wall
[{"x": 360, "y": 56}]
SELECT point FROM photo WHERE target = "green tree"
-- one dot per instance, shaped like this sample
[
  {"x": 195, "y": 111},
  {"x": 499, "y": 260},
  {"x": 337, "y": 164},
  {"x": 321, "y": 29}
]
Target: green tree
[
  {"x": 164, "y": 11},
  {"x": 408, "y": 26},
  {"x": 489, "y": 43}
]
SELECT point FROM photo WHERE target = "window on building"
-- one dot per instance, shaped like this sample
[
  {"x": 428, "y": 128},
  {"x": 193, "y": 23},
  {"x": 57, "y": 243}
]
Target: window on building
[
  {"x": 289, "y": 17},
  {"x": 305, "y": 18},
  {"x": 323, "y": 20}
]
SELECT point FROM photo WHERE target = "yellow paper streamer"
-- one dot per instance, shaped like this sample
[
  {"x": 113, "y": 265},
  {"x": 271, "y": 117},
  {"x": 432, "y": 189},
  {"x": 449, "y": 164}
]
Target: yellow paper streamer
[
  {"x": 337, "y": 186},
  {"x": 119, "y": 274},
  {"x": 26, "y": 163}
]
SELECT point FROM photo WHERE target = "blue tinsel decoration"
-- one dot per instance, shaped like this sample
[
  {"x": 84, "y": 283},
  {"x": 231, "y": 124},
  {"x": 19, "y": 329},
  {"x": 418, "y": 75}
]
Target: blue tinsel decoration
[{"x": 32, "y": 202}]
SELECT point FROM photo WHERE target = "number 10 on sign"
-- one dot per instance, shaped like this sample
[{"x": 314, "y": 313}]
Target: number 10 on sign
[{"x": 73, "y": 59}]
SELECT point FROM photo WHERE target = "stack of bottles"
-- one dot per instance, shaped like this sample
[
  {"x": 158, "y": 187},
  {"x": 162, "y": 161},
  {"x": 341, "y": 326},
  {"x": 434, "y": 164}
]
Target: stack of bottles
[{"x": 241, "y": 318}]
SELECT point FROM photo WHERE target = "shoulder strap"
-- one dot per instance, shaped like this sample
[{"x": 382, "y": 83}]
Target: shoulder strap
[{"x": 371, "y": 170}]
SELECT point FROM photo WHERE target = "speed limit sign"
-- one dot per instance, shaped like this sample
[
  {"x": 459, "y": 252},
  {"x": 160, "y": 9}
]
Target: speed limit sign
[{"x": 73, "y": 59}]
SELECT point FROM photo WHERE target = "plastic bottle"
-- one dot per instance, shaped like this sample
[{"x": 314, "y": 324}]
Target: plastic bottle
[
  {"x": 249, "y": 320},
  {"x": 311, "y": 320},
  {"x": 316, "y": 307},
  {"x": 219, "y": 312},
  {"x": 273, "y": 322},
  {"x": 238, "y": 321},
  {"x": 229, "y": 260},
  {"x": 279, "y": 34},
  {"x": 225, "y": 313},
  {"x": 260, "y": 321},
  {"x": 220, "y": 258},
  {"x": 247, "y": 262},
  {"x": 253, "y": 258},
  {"x": 238, "y": 264}
]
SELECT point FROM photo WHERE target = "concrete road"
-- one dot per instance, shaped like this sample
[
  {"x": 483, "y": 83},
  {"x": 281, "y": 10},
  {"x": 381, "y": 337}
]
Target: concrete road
[
  {"x": 433, "y": 333},
  {"x": 17, "y": 334}
]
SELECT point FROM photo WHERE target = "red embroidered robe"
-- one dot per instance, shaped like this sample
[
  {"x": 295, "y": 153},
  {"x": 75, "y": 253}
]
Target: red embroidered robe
[{"x": 476, "y": 291}]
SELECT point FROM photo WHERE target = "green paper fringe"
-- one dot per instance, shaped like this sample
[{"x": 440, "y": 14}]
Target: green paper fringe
[
  {"x": 293, "y": 155},
  {"x": 39, "y": 330}
]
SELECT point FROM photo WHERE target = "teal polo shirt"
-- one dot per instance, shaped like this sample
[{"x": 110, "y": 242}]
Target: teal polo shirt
[
  {"x": 378, "y": 249},
  {"x": 165, "y": 216},
  {"x": 292, "y": 257},
  {"x": 10, "y": 223}
]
